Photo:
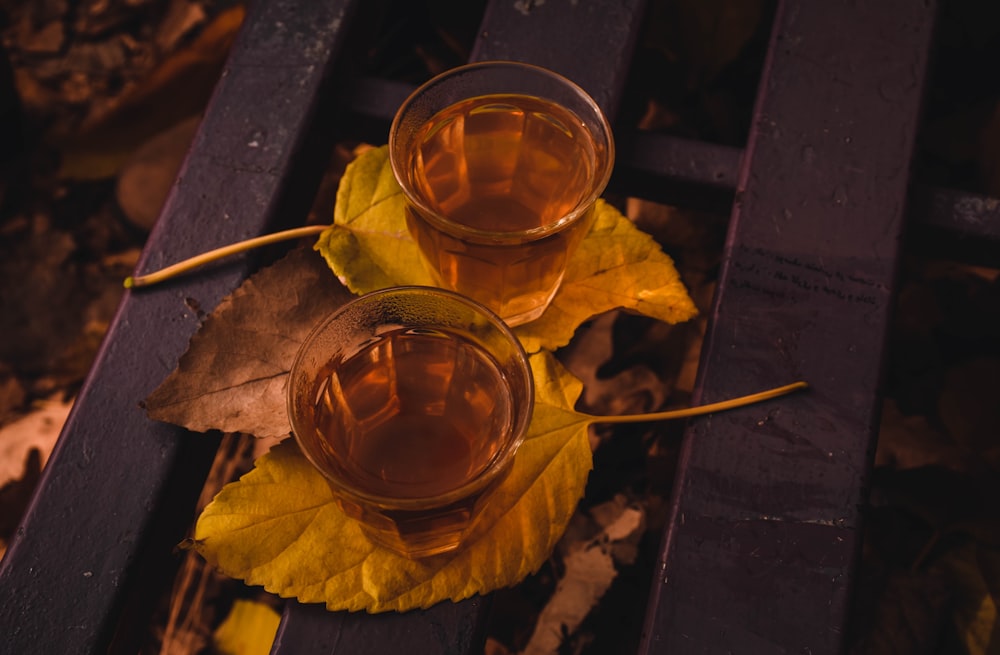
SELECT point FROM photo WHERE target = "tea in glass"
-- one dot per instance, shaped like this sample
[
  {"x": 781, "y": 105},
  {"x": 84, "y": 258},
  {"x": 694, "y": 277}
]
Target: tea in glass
[
  {"x": 501, "y": 163},
  {"x": 415, "y": 414},
  {"x": 412, "y": 402}
]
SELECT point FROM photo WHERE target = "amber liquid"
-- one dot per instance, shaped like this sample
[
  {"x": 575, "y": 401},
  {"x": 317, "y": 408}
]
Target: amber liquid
[
  {"x": 414, "y": 415},
  {"x": 502, "y": 164}
]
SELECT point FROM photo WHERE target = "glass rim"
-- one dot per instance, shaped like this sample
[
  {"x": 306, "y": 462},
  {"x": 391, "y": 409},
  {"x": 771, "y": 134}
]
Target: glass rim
[
  {"x": 496, "y": 466},
  {"x": 602, "y": 173}
]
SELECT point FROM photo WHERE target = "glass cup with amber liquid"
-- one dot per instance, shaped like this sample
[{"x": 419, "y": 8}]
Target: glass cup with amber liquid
[
  {"x": 412, "y": 402},
  {"x": 501, "y": 163}
]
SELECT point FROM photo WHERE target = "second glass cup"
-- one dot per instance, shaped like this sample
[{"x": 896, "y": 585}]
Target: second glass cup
[
  {"x": 501, "y": 163},
  {"x": 412, "y": 402}
]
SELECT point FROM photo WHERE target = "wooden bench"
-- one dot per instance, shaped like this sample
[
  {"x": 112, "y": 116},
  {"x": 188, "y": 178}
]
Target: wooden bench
[{"x": 766, "y": 520}]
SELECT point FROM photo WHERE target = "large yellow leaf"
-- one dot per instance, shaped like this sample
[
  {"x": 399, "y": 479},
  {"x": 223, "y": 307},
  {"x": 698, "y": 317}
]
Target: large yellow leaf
[
  {"x": 368, "y": 245},
  {"x": 280, "y": 528},
  {"x": 616, "y": 266}
]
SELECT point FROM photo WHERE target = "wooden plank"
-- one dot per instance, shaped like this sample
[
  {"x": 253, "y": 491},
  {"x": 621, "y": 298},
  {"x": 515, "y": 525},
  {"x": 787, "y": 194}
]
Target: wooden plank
[
  {"x": 443, "y": 629},
  {"x": 765, "y": 525},
  {"x": 591, "y": 43},
  {"x": 119, "y": 489},
  {"x": 676, "y": 171}
]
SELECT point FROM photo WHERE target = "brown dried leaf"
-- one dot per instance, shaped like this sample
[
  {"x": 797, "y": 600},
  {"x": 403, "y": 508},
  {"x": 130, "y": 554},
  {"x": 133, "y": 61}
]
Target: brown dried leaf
[
  {"x": 968, "y": 403},
  {"x": 907, "y": 442},
  {"x": 589, "y": 571},
  {"x": 177, "y": 89},
  {"x": 36, "y": 430},
  {"x": 232, "y": 378},
  {"x": 706, "y": 35}
]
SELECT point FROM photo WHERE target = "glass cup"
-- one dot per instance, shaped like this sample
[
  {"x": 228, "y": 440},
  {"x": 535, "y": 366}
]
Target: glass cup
[
  {"x": 412, "y": 402},
  {"x": 501, "y": 163}
]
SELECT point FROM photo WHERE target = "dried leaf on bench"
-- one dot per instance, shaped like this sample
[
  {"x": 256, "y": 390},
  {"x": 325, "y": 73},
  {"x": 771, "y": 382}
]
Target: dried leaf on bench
[
  {"x": 232, "y": 378},
  {"x": 617, "y": 265},
  {"x": 279, "y": 526},
  {"x": 589, "y": 568}
]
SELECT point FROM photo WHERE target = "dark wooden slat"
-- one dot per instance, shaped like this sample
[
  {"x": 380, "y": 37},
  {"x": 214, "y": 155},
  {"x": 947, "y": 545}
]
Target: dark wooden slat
[
  {"x": 676, "y": 171},
  {"x": 765, "y": 523},
  {"x": 95, "y": 525},
  {"x": 444, "y": 629},
  {"x": 591, "y": 43},
  {"x": 373, "y": 104}
]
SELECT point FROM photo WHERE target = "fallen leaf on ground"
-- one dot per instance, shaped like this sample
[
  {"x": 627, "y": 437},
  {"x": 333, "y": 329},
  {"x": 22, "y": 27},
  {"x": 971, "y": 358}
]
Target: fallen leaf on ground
[
  {"x": 25, "y": 445},
  {"x": 907, "y": 442},
  {"x": 633, "y": 390},
  {"x": 911, "y": 614},
  {"x": 177, "y": 89},
  {"x": 146, "y": 177},
  {"x": 249, "y": 629},
  {"x": 616, "y": 265},
  {"x": 279, "y": 526},
  {"x": 975, "y": 575},
  {"x": 968, "y": 403},
  {"x": 232, "y": 377},
  {"x": 710, "y": 35},
  {"x": 37, "y": 430},
  {"x": 589, "y": 569}
]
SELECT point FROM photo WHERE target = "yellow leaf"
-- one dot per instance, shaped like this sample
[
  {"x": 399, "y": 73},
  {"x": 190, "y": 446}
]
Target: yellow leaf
[
  {"x": 972, "y": 570},
  {"x": 368, "y": 245},
  {"x": 616, "y": 266},
  {"x": 280, "y": 528},
  {"x": 248, "y": 630}
]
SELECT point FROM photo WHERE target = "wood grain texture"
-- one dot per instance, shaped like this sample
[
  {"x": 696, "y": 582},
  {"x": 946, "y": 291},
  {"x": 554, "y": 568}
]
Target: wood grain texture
[{"x": 766, "y": 520}]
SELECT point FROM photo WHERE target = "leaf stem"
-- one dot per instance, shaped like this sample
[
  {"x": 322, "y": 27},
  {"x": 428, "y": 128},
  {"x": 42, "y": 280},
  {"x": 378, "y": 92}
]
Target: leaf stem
[
  {"x": 703, "y": 409},
  {"x": 225, "y": 251}
]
